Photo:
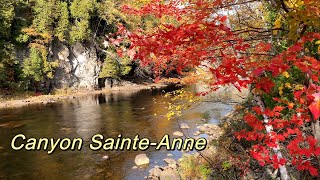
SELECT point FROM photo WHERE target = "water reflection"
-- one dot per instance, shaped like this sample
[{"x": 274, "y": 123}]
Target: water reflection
[{"x": 87, "y": 117}]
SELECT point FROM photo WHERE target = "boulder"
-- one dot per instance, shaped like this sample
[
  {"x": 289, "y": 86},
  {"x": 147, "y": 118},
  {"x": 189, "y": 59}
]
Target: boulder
[
  {"x": 105, "y": 157},
  {"x": 178, "y": 134},
  {"x": 141, "y": 159},
  {"x": 155, "y": 172},
  {"x": 169, "y": 174},
  {"x": 184, "y": 126},
  {"x": 170, "y": 161},
  {"x": 202, "y": 128},
  {"x": 204, "y": 120},
  {"x": 173, "y": 166},
  {"x": 197, "y": 133}
]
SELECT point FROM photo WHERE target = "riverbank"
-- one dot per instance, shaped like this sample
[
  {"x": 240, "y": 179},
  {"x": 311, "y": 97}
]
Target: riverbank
[
  {"x": 214, "y": 161},
  {"x": 59, "y": 95},
  {"x": 195, "y": 165}
]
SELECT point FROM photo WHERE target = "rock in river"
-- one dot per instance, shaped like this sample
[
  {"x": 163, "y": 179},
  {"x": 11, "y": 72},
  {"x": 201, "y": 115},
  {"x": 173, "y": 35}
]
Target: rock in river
[
  {"x": 169, "y": 174},
  {"x": 141, "y": 159},
  {"x": 155, "y": 173},
  {"x": 106, "y": 157},
  {"x": 184, "y": 126},
  {"x": 197, "y": 133},
  {"x": 202, "y": 128},
  {"x": 178, "y": 134},
  {"x": 170, "y": 161}
]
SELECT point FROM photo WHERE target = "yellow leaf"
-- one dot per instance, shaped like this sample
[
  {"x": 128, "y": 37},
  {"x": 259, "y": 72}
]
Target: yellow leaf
[
  {"x": 280, "y": 90},
  {"x": 288, "y": 85},
  {"x": 286, "y": 74},
  {"x": 299, "y": 87},
  {"x": 294, "y": 3},
  {"x": 277, "y": 24}
]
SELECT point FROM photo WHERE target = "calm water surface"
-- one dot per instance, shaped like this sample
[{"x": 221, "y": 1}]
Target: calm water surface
[{"x": 126, "y": 113}]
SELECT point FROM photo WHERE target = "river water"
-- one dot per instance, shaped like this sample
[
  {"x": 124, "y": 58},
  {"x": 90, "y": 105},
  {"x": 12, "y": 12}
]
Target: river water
[{"x": 126, "y": 113}]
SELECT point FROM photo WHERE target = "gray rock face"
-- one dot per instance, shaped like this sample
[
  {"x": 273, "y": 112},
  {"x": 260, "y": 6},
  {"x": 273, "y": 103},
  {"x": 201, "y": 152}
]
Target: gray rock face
[
  {"x": 78, "y": 66},
  {"x": 110, "y": 83}
]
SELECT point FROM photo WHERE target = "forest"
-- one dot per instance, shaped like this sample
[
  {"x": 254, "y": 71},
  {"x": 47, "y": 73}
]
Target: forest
[
  {"x": 270, "y": 47},
  {"x": 30, "y": 31}
]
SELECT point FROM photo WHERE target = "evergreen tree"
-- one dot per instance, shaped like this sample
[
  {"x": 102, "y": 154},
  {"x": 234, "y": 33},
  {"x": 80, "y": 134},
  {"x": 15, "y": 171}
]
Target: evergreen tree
[
  {"x": 63, "y": 25},
  {"x": 34, "y": 25},
  {"x": 80, "y": 11},
  {"x": 115, "y": 67},
  {"x": 8, "y": 62},
  {"x": 33, "y": 66}
]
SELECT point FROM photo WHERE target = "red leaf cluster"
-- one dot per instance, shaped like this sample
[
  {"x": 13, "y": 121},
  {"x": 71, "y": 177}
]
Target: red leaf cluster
[{"x": 206, "y": 40}]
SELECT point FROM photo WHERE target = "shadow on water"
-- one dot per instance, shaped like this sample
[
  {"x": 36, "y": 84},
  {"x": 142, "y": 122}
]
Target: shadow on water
[{"x": 123, "y": 112}]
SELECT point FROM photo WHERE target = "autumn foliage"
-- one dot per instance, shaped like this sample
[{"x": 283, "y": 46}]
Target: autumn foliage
[{"x": 287, "y": 83}]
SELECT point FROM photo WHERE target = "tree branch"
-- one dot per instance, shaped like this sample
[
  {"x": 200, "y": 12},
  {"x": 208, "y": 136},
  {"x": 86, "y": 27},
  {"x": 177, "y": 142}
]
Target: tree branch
[
  {"x": 284, "y": 7},
  {"x": 236, "y": 4}
]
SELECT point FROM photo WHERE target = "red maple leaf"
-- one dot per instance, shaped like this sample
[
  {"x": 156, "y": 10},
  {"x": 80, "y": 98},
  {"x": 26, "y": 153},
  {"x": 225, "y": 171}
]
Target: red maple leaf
[{"x": 315, "y": 106}]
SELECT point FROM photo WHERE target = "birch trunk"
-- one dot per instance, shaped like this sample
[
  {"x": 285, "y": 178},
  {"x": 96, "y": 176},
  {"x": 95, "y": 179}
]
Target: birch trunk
[
  {"x": 283, "y": 170},
  {"x": 316, "y": 130}
]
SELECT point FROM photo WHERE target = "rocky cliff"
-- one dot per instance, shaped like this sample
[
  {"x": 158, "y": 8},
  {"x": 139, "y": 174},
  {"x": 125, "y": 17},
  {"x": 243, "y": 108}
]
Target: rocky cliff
[{"x": 79, "y": 66}]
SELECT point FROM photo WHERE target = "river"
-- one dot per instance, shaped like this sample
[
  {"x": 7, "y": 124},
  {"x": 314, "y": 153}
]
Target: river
[{"x": 123, "y": 112}]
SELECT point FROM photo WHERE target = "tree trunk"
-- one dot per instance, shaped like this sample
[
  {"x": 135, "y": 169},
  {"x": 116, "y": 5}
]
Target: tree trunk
[
  {"x": 283, "y": 170},
  {"x": 316, "y": 130}
]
